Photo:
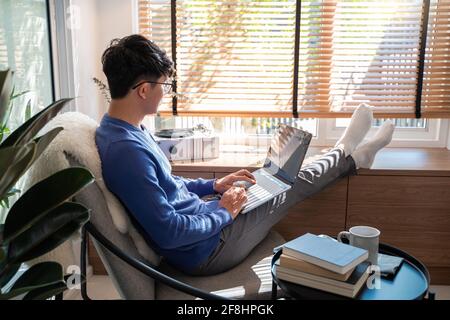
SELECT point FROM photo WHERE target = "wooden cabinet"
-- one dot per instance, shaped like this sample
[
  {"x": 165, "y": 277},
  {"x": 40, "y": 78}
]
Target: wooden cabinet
[
  {"x": 323, "y": 213},
  {"x": 412, "y": 213}
]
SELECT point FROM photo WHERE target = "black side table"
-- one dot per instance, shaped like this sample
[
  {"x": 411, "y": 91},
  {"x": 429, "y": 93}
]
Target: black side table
[{"x": 411, "y": 282}]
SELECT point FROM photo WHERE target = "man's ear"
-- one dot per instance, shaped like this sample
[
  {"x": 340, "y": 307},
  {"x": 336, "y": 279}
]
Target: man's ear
[{"x": 143, "y": 91}]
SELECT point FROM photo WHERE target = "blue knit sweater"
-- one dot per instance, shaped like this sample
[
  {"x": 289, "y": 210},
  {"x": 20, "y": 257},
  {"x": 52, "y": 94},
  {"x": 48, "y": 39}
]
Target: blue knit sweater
[{"x": 167, "y": 209}]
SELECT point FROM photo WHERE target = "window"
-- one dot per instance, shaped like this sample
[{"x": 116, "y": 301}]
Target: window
[
  {"x": 25, "y": 49},
  {"x": 428, "y": 133},
  {"x": 248, "y": 58},
  {"x": 399, "y": 123}
]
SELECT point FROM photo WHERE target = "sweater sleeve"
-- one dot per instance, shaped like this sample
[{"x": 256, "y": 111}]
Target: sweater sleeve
[
  {"x": 130, "y": 174},
  {"x": 201, "y": 187}
]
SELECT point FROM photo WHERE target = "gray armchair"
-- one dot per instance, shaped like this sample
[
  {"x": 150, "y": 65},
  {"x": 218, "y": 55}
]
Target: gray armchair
[{"x": 135, "y": 278}]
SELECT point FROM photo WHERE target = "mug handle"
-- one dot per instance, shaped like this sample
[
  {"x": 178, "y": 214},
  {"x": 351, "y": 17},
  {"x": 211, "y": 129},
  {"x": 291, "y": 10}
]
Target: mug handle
[{"x": 343, "y": 234}]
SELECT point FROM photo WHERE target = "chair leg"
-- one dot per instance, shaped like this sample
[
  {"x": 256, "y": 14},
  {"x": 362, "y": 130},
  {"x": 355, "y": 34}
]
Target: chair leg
[
  {"x": 84, "y": 244},
  {"x": 274, "y": 290},
  {"x": 59, "y": 296}
]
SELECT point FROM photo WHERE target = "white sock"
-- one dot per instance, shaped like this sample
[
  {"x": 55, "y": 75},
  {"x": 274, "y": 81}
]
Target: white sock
[
  {"x": 364, "y": 155},
  {"x": 359, "y": 126}
]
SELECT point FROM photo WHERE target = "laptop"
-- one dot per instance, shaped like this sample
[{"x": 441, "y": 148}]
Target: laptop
[{"x": 285, "y": 156}]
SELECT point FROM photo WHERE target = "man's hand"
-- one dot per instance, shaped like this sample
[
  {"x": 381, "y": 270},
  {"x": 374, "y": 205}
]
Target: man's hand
[
  {"x": 225, "y": 183},
  {"x": 233, "y": 200}
]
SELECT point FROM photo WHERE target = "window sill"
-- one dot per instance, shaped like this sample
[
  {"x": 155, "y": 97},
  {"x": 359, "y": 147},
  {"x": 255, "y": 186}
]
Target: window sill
[
  {"x": 411, "y": 162},
  {"x": 389, "y": 161}
]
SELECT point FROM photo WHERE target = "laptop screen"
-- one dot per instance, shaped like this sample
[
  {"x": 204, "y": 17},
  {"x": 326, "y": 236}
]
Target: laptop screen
[{"x": 287, "y": 151}]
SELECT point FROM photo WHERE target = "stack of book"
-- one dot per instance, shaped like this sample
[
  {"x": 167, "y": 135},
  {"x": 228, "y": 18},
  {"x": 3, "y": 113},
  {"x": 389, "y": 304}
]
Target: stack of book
[{"x": 323, "y": 264}]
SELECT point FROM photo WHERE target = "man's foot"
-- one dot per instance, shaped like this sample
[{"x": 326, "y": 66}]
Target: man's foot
[
  {"x": 365, "y": 154},
  {"x": 359, "y": 126}
]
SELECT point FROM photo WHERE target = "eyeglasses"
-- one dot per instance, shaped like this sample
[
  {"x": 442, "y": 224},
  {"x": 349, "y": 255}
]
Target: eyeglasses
[{"x": 167, "y": 86}]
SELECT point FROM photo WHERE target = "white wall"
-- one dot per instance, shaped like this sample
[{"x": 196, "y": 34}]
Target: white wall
[
  {"x": 116, "y": 17},
  {"x": 100, "y": 21}
]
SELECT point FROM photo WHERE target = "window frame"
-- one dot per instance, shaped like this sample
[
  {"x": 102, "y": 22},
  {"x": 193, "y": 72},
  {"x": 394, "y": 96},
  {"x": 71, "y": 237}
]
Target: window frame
[
  {"x": 62, "y": 47},
  {"x": 434, "y": 135}
]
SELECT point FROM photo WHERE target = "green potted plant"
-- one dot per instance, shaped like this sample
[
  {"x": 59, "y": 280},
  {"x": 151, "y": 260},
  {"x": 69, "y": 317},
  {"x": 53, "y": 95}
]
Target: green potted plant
[{"x": 43, "y": 217}]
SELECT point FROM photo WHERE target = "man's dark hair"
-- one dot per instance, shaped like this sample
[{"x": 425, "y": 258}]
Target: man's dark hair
[{"x": 131, "y": 59}]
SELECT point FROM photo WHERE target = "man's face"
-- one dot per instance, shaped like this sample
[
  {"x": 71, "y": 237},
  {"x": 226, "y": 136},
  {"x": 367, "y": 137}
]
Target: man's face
[
  {"x": 155, "y": 96},
  {"x": 150, "y": 94}
]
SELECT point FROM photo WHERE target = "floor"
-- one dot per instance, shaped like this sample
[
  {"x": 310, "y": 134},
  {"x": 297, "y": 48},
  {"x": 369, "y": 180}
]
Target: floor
[{"x": 102, "y": 288}]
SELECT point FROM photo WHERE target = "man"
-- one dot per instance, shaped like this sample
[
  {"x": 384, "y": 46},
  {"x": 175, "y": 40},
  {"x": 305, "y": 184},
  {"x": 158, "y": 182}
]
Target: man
[{"x": 195, "y": 236}]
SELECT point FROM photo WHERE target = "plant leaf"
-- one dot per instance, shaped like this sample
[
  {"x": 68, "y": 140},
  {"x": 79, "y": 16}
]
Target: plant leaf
[
  {"x": 9, "y": 194},
  {"x": 13, "y": 168},
  {"x": 29, "y": 129},
  {"x": 51, "y": 290},
  {"x": 9, "y": 108},
  {"x": 48, "y": 233},
  {"x": 43, "y": 197},
  {"x": 46, "y": 292},
  {"x": 13, "y": 91},
  {"x": 7, "y": 274},
  {"x": 15, "y": 96},
  {"x": 3, "y": 250},
  {"x": 14, "y": 161},
  {"x": 43, "y": 141},
  {"x": 38, "y": 276},
  {"x": 12, "y": 192},
  {"x": 5, "y": 93},
  {"x": 28, "y": 111},
  {"x": 3, "y": 131}
]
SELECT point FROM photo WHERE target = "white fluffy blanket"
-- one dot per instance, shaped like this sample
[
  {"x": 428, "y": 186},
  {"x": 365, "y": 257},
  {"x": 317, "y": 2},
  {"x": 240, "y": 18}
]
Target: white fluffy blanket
[{"x": 78, "y": 140}]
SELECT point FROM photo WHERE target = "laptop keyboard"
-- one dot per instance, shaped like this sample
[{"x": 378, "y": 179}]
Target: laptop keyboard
[
  {"x": 256, "y": 193},
  {"x": 261, "y": 190}
]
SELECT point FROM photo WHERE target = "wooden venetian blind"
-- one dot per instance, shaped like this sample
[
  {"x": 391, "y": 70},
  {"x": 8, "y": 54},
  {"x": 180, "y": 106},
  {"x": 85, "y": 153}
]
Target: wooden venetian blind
[
  {"x": 155, "y": 24},
  {"x": 233, "y": 57},
  {"x": 354, "y": 52},
  {"x": 237, "y": 57},
  {"x": 436, "y": 80}
]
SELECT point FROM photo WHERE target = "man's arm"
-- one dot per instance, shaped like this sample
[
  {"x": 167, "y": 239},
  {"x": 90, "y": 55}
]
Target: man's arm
[
  {"x": 131, "y": 175},
  {"x": 203, "y": 187}
]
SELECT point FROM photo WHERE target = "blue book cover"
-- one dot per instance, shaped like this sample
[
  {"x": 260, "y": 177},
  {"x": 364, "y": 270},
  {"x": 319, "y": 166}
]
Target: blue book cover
[{"x": 326, "y": 253}]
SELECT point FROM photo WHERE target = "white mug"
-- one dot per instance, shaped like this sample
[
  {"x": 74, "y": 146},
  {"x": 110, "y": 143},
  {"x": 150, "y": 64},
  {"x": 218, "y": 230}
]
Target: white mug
[{"x": 363, "y": 237}]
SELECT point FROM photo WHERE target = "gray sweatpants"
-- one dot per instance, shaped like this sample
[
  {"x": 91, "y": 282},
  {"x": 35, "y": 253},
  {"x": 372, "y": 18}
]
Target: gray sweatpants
[{"x": 248, "y": 230}]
